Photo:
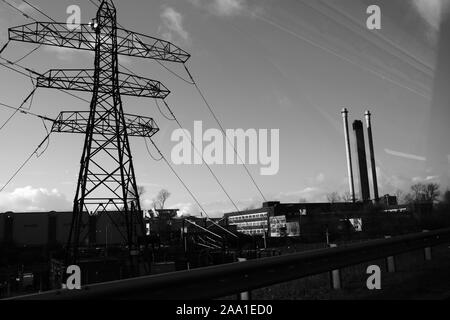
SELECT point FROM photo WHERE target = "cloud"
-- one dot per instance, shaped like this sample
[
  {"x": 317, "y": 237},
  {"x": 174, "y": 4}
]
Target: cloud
[
  {"x": 310, "y": 194},
  {"x": 34, "y": 199},
  {"x": 427, "y": 179},
  {"x": 225, "y": 8},
  {"x": 405, "y": 155},
  {"x": 389, "y": 184},
  {"x": 172, "y": 28},
  {"x": 214, "y": 209},
  {"x": 228, "y": 7},
  {"x": 187, "y": 209}
]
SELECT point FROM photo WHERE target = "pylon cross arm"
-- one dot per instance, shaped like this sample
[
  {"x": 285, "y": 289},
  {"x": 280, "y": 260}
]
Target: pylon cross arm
[
  {"x": 55, "y": 34},
  {"x": 139, "y": 45},
  {"x": 129, "y": 43},
  {"x": 83, "y": 80},
  {"x": 105, "y": 124}
]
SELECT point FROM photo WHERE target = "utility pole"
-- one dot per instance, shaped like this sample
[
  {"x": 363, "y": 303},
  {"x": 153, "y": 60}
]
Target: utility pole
[
  {"x": 106, "y": 181},
  {"x": 185, "y": 234}
]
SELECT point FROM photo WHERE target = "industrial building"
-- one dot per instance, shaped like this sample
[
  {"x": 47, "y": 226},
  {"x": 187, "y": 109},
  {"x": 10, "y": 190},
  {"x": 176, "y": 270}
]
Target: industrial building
[
  {"x": 275, "y": 219},
  {"x": 39, "y": 229},
  {"x": 311, "y": 221}
]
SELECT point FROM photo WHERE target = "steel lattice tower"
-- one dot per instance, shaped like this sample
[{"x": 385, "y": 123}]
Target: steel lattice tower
[{"x": 107, "y": 181}]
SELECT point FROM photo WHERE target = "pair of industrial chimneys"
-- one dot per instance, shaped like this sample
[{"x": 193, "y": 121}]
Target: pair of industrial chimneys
[{"x": 358, "y": 128}]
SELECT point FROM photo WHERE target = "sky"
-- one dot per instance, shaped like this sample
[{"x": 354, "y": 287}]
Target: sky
[{"x": 290, "y": 65}]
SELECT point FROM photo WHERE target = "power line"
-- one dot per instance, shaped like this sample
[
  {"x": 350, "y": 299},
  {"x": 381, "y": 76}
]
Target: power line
[
  {"x": 201, "y": 155},
  {"x": 8, "y": 66},
  {"x": 16, "y": 63},
  {"x": 93, "y": 3},
  {"x": 200, "y": 227},
  {"x": 26, "y": 162},
  {"x": 48, "y": 140},
  {"x": 174, "y": 73},
  {"x": 335, "y": 53},
  {"x": 193, "y": 82},
  {"x": 187, "y": 188},
  {"x": 31, "y": 71},
  {"x": 38, "y": 10},
  {"x": 149, "y": 152},
  {"x": 27, "y": 112},
  {"x": 162, "y": 113},
  {"x": 427, "y": 69},
  {"x": 208, "y": 105},
  {"x": 19, "y": 10},
  {"x": 18, "y": 109},
  {"x": 28, "y": 54},
  {"x": 4, "y": 47}
]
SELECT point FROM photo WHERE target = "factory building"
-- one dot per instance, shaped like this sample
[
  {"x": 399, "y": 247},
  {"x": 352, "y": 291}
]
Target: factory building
[
  {"x": 277, "y": 219},
  {"x": 311, "y": 221}
]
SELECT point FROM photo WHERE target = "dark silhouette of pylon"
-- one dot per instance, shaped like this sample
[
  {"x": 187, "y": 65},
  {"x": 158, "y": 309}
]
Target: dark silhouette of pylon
[{"x": 106, "y": 181}]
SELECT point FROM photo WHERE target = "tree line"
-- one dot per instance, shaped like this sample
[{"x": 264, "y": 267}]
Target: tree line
[{"x": 418, "y": 193}]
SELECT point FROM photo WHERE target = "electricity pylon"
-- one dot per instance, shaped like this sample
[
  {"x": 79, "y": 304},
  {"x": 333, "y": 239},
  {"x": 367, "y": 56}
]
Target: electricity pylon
[{"x": 106, "y": 181}]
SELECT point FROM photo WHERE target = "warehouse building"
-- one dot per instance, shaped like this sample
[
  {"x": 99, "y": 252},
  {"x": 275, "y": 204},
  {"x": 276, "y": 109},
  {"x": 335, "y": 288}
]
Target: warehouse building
[{"x": 49, "y": 229}]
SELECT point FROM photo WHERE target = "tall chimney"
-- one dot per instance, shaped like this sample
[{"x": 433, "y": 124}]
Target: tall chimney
[
  {"x": 358, "y": 127},
  {"x": 372, "y": 155},
  {"x": 349, "y": 154},
  {"x": 438, "y": 154}
]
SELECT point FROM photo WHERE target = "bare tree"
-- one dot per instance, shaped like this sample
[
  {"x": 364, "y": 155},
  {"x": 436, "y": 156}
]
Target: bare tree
[
  {"x": 333, "y": 197},
  {"x": 302, "y": 200},
  {"x": 346, "y": 197},
  {"x": 424, "y": 192},
  {"x": 418, "y": 192},
  {"x": 432, "y": 192},
  {"x": 161, "y": 198}
]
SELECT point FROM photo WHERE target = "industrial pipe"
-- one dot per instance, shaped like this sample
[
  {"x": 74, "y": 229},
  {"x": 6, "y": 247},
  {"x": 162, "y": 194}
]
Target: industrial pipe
[{"x": 349, "y": 154}]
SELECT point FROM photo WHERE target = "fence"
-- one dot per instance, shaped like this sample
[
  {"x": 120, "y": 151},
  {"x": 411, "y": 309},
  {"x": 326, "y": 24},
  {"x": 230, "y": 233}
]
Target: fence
[{"x": 224, "y": 280}]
